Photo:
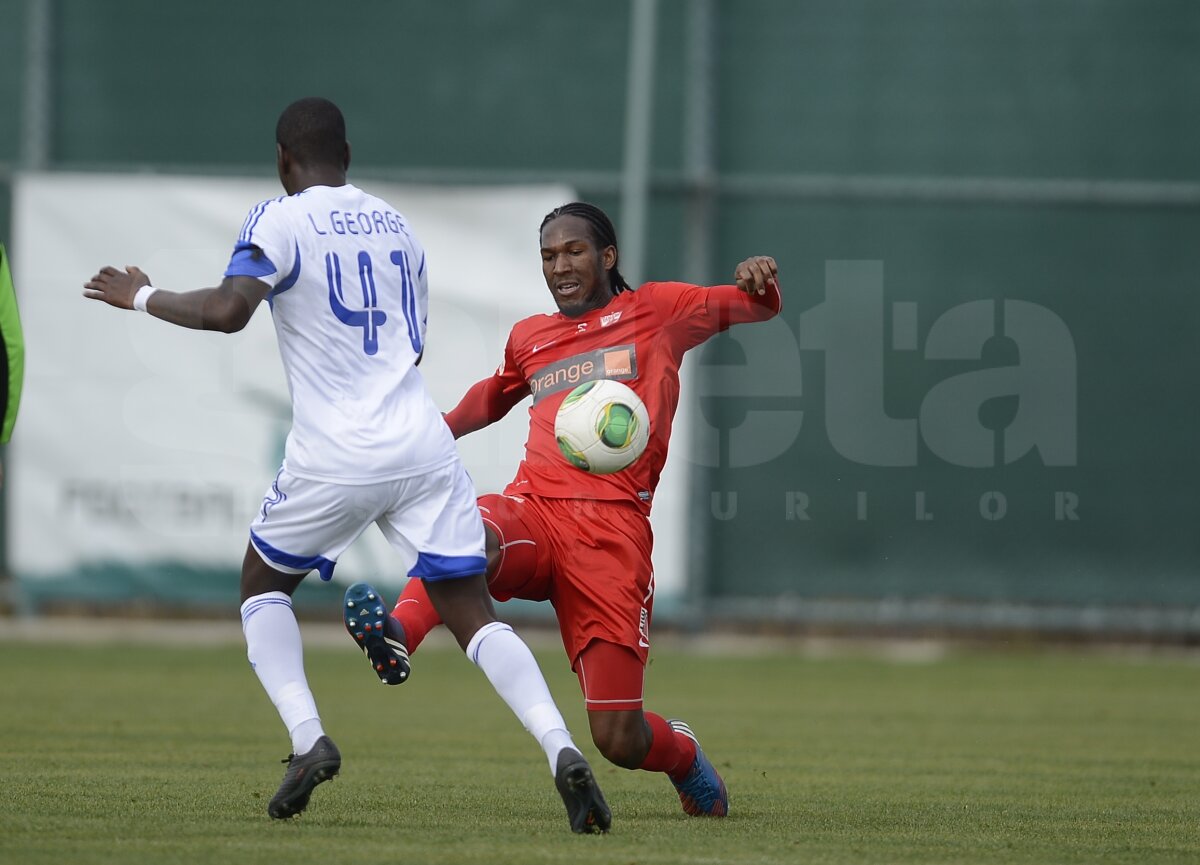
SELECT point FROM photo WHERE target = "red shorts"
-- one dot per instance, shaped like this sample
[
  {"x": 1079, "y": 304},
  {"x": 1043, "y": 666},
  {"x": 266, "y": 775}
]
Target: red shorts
[{"x": 591, "y": 560}]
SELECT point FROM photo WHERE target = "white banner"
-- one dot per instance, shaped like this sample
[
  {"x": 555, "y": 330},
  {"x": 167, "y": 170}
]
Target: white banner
[{"x": 142, "y": 444}]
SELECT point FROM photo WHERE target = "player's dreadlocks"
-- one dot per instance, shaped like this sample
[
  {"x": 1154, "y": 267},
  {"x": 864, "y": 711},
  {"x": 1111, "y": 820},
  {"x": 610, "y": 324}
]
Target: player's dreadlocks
[
  {"x": 313, "y": 130},
  {"x": 603, "y": 234}
]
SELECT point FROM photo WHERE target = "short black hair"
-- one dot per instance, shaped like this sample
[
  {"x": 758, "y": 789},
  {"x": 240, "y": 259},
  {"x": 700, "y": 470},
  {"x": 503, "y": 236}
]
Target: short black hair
[
  {"x": 313, "y": 131},
  {"x": 603, "y": 234}
]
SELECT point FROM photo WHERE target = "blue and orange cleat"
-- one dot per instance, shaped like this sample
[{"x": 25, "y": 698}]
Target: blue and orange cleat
[
  {"x": 379, "y": 635},
  {"x": 702, "y": 792}
]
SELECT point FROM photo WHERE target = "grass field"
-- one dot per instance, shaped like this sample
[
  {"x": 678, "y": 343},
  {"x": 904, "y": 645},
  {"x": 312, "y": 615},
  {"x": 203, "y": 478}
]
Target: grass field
[{"x": 134, "y": 754}]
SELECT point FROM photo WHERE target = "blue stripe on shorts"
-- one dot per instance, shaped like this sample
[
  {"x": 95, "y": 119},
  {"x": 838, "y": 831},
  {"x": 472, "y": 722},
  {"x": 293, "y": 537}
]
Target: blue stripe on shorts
[
  {"x": 431, "y": 566},
  {"x": 323, "y": 565}
]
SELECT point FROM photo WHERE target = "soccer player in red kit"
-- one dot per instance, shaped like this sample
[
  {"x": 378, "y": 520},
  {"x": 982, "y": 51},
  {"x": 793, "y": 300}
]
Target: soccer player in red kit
[{"x": 579, "y": 540}]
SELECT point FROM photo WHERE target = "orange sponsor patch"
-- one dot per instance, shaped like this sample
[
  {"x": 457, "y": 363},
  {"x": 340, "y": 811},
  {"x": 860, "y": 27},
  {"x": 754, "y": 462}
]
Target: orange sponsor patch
[{"x": 617, "y": 363}]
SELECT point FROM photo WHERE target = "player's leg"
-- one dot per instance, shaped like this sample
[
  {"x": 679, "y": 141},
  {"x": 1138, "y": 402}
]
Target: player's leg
[
  {"x": 466, "y": 608},
  {"x": 438, "y": 516},
  {"x": 519, "y": 562},
  {"x": 518, "y": 566},
  {"x": 302, "y": 525},
  {"x": 611, "y": 677},
  {"x": 414, "y": 615},
  {"x": 604, "y": 598},
  {"x": 276, "y": 654}
]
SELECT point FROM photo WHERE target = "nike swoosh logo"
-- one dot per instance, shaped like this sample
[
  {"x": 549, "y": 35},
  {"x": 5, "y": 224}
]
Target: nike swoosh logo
[{"x": 537, "y": 348}]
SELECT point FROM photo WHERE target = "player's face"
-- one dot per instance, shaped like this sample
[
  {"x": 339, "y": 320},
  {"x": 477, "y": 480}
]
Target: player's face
[{"x": 576, "y": 271}]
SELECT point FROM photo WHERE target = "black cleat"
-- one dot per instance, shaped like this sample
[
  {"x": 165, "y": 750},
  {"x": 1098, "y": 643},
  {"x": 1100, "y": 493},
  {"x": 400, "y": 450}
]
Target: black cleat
[
  {"x": 379, "y": 635},
  {"x": 581, "y": 794},
  {"x": 304, "y": 772}
]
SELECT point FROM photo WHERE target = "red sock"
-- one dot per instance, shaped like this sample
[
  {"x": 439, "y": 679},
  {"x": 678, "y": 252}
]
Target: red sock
[
  {"x": 415, "y": 613},
  {"x": 670, "y": 752}
]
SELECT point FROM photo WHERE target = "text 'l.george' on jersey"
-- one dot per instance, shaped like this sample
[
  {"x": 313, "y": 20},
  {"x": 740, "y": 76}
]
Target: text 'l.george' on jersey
[
  {"x": 638, "y": 338},
  {"x": 349, "y": 298}
]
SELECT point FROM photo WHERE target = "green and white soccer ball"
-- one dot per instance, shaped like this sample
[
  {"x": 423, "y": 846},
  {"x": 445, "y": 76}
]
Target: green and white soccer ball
[{"x": 602, "y": 427}]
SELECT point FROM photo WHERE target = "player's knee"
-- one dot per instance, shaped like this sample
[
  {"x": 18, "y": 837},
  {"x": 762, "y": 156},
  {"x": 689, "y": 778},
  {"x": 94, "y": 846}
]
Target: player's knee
[
  {"x": 258, "y": 578},
  {"x": 622, "y": 744},
  {"x": 620, "y": 750}
]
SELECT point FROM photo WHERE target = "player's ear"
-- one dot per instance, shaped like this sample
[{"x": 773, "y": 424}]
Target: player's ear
[
  {"x": 608, "y": 257},
  {"x": 346, "y": 158}
]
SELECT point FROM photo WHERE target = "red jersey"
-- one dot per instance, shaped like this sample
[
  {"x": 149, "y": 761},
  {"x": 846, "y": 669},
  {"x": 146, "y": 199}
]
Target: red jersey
[{"x": 639, "y": 339}]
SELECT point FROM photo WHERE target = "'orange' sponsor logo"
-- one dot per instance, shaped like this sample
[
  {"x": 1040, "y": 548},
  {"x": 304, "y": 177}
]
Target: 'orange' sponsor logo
[{"x": 617, "y": 363}]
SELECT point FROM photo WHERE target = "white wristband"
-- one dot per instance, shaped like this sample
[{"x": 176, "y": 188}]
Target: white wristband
[{"x": 143, "y": 295}]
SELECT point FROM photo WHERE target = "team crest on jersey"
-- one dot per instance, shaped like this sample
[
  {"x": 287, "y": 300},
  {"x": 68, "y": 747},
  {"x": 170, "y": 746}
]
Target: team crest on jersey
[{"x": 611, "y": 318}]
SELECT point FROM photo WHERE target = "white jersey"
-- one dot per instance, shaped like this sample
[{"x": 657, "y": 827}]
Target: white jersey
[{"x": 350, "y": 298}]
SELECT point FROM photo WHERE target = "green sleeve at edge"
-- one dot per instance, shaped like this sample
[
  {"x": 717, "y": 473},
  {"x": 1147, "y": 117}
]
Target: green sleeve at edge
[{"x": 14, "y": 346}]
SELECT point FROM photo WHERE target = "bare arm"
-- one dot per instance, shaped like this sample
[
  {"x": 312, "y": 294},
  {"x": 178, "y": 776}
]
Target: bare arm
[{"x": 226, "y": 308}]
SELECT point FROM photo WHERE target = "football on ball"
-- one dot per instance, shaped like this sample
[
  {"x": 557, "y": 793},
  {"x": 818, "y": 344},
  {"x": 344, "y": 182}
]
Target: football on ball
[{"x": 602, "y": 427}]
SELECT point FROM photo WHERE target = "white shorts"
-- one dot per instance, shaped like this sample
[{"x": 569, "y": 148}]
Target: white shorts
[{"x": 432, "y": 519}]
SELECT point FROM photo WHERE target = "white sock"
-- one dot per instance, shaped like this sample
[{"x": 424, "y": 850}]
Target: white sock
[
  {"x": 513, "y": 672},
  {"x": 277, "y": 656}
]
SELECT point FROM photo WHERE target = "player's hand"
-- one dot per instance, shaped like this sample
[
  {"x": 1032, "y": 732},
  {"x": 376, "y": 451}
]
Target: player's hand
[
  {"x": 755, "y": 274},
  {"x": 114, "y": 287}
]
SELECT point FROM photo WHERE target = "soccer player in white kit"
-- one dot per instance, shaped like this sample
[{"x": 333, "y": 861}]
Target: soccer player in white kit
[{"x": 346, "y": 280}]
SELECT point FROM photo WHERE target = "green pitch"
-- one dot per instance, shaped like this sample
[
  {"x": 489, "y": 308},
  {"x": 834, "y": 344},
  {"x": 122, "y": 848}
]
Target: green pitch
[{"x": 131, "y": 755}]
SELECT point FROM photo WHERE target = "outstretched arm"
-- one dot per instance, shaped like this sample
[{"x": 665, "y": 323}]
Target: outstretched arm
[
  {"x": 484, "y": 403},
  {"x": 694, "y": 313},
  {"x": 755, "y": 295},
  {"x": 226, "y": 308}
]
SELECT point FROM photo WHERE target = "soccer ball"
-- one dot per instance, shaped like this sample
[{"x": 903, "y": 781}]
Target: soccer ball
[{"x": 602, "y": 427}]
